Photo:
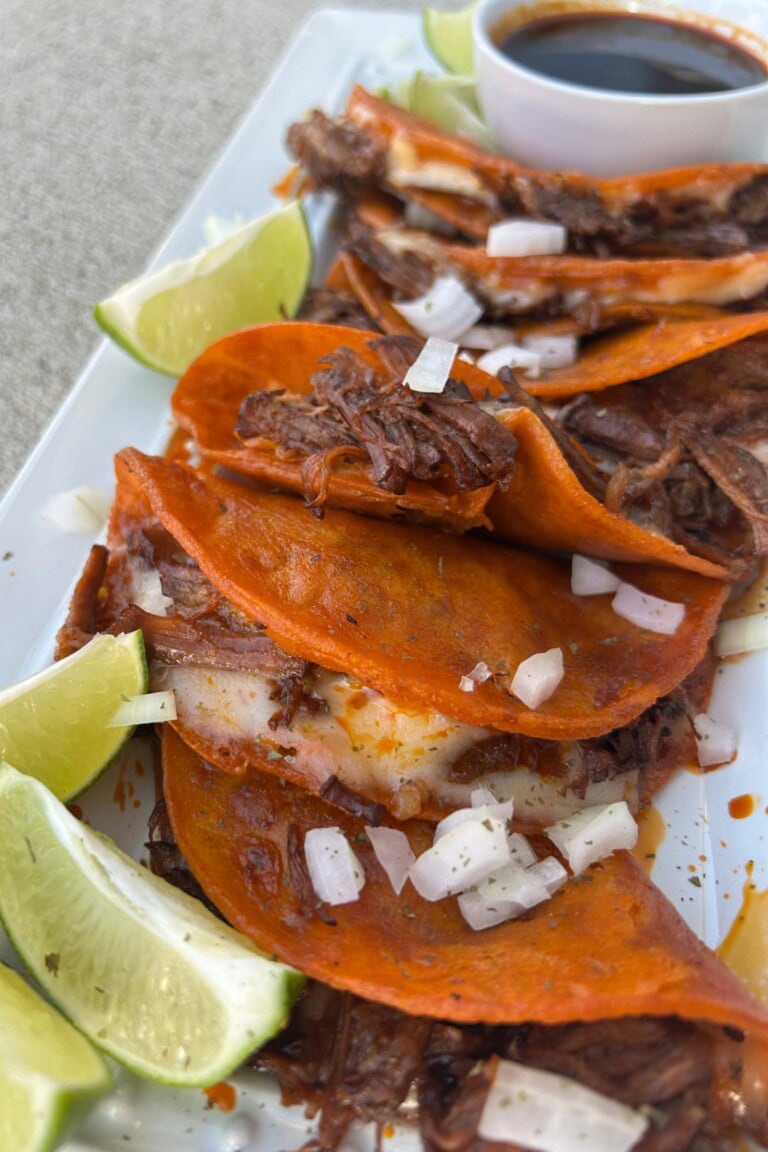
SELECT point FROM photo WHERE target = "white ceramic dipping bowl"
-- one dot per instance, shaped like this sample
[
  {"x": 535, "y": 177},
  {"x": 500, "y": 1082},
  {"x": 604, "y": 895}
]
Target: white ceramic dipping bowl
[{"x": 545, "y": 123}]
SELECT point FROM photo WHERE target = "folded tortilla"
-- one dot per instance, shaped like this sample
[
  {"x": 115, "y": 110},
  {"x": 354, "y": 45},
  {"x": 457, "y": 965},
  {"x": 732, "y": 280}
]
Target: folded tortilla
[
  {"x": 544, "y": 504},
  {"x": 410, "y": 611},
  {"x": 606, "y": 946},
  {"x": 243, "y": 702}
]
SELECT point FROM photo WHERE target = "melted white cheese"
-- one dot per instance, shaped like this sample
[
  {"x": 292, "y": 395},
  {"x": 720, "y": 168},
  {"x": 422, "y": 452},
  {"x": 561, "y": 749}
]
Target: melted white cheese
[{"x": 394, "y": 755}]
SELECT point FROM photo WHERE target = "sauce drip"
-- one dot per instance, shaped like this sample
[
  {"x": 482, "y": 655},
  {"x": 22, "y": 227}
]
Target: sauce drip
[
  {"x": 651, "y": 830},
  {"x": 745, "y": 948},
  {"x": 628, "y": 52},
  {"x": 740, "y": 807}
]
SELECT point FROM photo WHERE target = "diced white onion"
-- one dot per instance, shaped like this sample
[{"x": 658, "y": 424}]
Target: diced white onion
[
  {"x": 147, "y": 591},
  {"x": 483, "y": 909},
  {"x": 393, "y": 851},
  {"x": 646, "y": 611},
  {"x": 509, "y": 356},
  {"x": 716, "y": 743},
  {"x": 546, "y": 1112},
  {"x": 463, "y": 856},
  {"x": 432, "y": 367},
  {"x": 510, "y": 891},
  {"x": 743, "y": 634},
  {"x": 479, "y": 674},
  {"x": 497, "y": 809},
  {"x": 550, "y": 872},
  {"x": 446, "y": 310},
  {"x": 559, "y": 350},
  {"x": 520, "y": 850},
  {"x": 481, "y": 797},
  {"x": 334, "y": 869},
  {"x": 592, "y": 833},
  {"x": 83, "y": 509},
  {"x": 148, "y": 708},
  {"x": 526, "y": 238},
  {"x": 537, "y": 677},
  {"x": 591, "y": 577},
  {"x": 486, "y": 337}
]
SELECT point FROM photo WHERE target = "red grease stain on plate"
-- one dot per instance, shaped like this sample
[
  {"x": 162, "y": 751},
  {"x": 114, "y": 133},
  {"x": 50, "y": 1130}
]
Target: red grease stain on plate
[{"x": 222, "y": 1096}]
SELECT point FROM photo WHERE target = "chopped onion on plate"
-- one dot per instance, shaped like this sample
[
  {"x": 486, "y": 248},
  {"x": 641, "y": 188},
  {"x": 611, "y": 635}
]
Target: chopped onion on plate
[
  {"x": 147, "y": 591},
  {"x": 742, "y": 634},
  {"x": 546, "y": 1112},
  {"x": 393, "y": 851},
  {"x": 84, "y": 509},
  {"x": 148, "y": 708},
  {"x": 537, "y": 677},
  {"x": 591, "y": 577},
  {"x": 478, "y": 675},
  {"x": 716, "y": 743},
  {"x": 446, "y": 310},
  {"x": 432, "y": 367},
  {"x": 497, "y": 809},
  {"x": 486, "y": 337},
  {"x": 526, "y": 238},
  {"x": 554, "y": 351},
  {"x": 646, "y": 611},
  {"x": 461, "y": 857},
  {"x": 592, "y": 833},
  {"x": 510, "y": 356},
  {"x": 334, "y": 869}
]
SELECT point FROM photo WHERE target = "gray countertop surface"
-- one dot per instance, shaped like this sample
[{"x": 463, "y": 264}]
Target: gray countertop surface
[{"x": 110, "y": 115}]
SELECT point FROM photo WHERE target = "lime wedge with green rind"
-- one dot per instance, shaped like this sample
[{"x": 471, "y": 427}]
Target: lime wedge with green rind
[
  {"x": 54, "y": 725},
  {"x": 144, "y": 970},
  {"x": 49, "y": 1073},
  {"x": 451, "y": 103},
  {"x": 259, "y": 273},
  {"x": 449, "y": 38}
]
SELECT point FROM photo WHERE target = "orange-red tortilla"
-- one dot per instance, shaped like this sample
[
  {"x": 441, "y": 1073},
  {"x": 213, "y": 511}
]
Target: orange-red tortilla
[
  {"x": 544, "y": 504},
  {"x": 386, "y": 121},
  {"x": 608, "y": 945},
  {"x": 641, "y": 352},
  {"x": 409, "y": 611}
]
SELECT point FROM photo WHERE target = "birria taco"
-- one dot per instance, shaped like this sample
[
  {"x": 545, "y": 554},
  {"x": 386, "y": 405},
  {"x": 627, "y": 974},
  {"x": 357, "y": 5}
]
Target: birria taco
[
  {"x": 602, "y": 986},
  {"x": 323, "y": 410},
  {"x": 384, "y": 654}
]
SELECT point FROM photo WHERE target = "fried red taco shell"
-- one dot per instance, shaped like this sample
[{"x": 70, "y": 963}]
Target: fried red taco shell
[
  {"x": 208, "y": 397},
  {"x": 409, "y": 611},
  {"x": 730, "y": 192},
  {"x": 646, "y": 350},
  {"x": 544, "y": 503},
  {"x": 606, "y": 946}
]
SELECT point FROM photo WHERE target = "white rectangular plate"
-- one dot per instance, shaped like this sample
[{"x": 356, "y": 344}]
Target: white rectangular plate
[{"x": 702, "y": 860}]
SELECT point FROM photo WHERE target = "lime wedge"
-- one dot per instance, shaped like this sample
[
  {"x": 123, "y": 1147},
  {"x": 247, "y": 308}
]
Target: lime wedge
[
  {"x": 55, "y": 725},
  {"x": 145, "y": 971},
  {"x": 49, "y": 1073},
  {"x": 258, "y": 273},
  {"x": 451, "y": 103},
  {"x": 449, "y": 38}
]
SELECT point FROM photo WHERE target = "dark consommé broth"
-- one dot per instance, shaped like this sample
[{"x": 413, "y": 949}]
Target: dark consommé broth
[{"x": 627, "y": 52}]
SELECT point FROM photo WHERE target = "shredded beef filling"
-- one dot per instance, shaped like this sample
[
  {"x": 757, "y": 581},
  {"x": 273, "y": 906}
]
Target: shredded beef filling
[
  {"x": 402, "y": 434},
  {"x": 678, "y": 450},
  {"x": 338, "y": 154},
  {"x": 347, "y": 1059},
  {"x": 331, "y": 306}
]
